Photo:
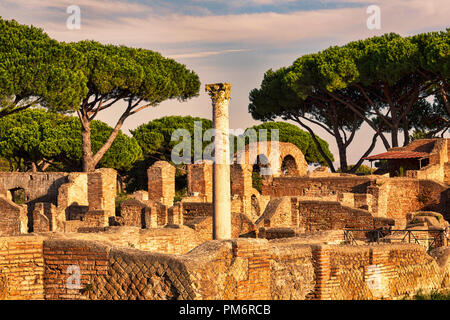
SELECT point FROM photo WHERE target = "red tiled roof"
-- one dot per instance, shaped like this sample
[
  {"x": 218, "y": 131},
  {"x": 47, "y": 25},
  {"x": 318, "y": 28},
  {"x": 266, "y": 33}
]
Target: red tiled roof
[{"x": 398, "y": 155}]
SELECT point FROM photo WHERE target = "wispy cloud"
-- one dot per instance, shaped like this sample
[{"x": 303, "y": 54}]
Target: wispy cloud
[
  {"x": 128, "y": 23},
  {"x": 203, "y": 54}
]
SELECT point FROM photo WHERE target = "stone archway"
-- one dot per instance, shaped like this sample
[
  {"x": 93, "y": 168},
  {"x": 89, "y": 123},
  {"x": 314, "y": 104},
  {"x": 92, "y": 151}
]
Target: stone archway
[
  {"x": 289, "y": 166},
  {"x": 275, "y": 155},
  {"x": 17, "y": 195}
]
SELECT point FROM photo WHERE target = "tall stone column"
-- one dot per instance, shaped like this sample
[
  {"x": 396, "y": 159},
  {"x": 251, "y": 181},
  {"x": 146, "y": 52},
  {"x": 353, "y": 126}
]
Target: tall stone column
[{"x": 220, "y": 96}]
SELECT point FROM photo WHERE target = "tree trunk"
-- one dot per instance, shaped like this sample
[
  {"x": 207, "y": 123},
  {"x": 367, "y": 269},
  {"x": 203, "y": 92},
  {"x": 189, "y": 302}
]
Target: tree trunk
[
  {"x": 343, "y": 157},
  {"x": 394, "y": 136},
  {"x": 405, "y": 132},
  {"x": 368, "y": 151},
  {"x": 88, "y": 163},
  {"x": 316, "y": 142},
  {"x": 101, "y": 152}
]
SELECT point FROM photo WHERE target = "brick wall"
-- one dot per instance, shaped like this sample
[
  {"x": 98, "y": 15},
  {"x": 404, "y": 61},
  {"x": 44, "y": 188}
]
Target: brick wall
[
  {"x": 133, "y": 213},
  {"x": 44, "y": 217},
  {"x": 13, "y": 218},
  {"x": 386, "y": 271},
  {"x": 161, "y": 182},
  {"x": 60, "y": 257},
  {"x": 228, "y": 269},
  {"x": 328, "y": 215},
  {"x": 21, "y": 268},
  {"x": 199, "y": 179},
  {"x": 318, "y": 187},
  {"x": 193, "y": 210},
  {"x": 41, "y": 186},
  {"x": 396, "y": 197},
  {"x": 240, "y": 225},
  {"x": 278, "y": 213},
  {"x": 102, "y": 191}
]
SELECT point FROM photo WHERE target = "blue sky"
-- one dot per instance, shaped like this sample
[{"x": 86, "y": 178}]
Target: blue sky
[
  {"x": 228, "y": 41},
  {"x": 193, "y": 7}
]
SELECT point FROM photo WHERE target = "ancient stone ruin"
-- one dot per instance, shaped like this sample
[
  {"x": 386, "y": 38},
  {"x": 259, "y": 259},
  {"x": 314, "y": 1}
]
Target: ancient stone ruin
[{"x": 292, "y": 239}]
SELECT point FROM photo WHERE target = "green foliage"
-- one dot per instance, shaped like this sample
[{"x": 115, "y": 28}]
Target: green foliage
[
  {"x": 424, "y": 197},
  {"x": 381, "y": 80},
  {"x": 121, "y": 197},
  {"x": 141, "y": 77},
  {"x": 133, "y": 73},
  {"x": 434, "y": 295},
  {"x": 35, "y": 69},
  {"x": 86, "y": 76},
  {"x": 362, "y": 170},
  {"x": 293, "y": 134},
  {"x": 155, "y": 137},
  {"x": 4, "y": 165},
  {"x": 39, "y": 137},
  {"x": 257, "y": 180},
  {"x": 155, "y": 140}
]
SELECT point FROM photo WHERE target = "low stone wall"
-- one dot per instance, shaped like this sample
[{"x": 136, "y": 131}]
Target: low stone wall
[
  {"x": 331, "y": 215},
  {"x": 21, "y": 268},
  {"x": 240, "y": 225},
  {"x": 396, "y": 197},
  {"x": 229, "y": 269},
  {"x": 13, "y": 218},
  {"x": 315, "y": 186},
  {"x": 38, "y": 186},
  {"x": 387, "y": 271}
]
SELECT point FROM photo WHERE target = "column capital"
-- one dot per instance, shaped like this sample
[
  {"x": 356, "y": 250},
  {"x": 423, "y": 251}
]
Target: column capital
[{"x": 219, "y": 91}]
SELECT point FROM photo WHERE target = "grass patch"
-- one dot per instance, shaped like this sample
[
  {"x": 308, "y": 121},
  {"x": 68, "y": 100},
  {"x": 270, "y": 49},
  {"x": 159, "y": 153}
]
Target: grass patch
[{"x": 434, "y": 295}]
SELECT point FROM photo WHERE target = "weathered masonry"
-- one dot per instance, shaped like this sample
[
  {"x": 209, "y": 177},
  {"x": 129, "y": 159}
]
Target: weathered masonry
[{"x": 38, "y": 268}]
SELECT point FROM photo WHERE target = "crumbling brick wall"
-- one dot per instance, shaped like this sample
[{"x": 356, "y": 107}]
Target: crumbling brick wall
[
  {"x": 161, "y": 182},
  {"x": 65, "y": 259},
  {"x": 374, "y": 272},
  {"x": 242, "y": 269},
  {"x": 396, "y": 197},
  {"x": 133, "y": 213},
  {"x": 44, "y": 217},
  {"x": 317, "y": 187},
  {"x": 21, "y": 268},
  {"x": 38, "y": 186},
  {"x": 278, "y": 213},
  {"x": 328, "y": 215},
  {"x": 199, "y": 180},
  {"x": 193, "y": 210},
  {"x": 102, "y": 191},
  {"x": 13, "y": 218},
  {"x": 35, "y": 268},
  {"x": 240, "y": 225}
]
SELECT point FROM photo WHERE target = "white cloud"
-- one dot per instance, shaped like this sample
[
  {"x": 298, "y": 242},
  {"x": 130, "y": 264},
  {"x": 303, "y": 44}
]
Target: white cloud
[
  {"x": 264, "y": 28},
  {"x": 203, "y": 54}
]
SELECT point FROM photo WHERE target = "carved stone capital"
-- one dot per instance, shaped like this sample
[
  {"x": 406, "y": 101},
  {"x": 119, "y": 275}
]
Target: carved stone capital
[{"x": 219, "y": 91}]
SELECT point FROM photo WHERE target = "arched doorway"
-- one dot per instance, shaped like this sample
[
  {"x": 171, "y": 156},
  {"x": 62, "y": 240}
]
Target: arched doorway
[
  {"x": 261, "y": 168},
  {"x": 289, "y": 166},
  {"x": 17, "y": 195}
]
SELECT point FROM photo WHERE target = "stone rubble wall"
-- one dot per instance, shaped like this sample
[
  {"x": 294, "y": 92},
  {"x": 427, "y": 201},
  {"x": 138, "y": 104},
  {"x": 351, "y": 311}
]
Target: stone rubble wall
[
  {"x": 13, "y": 218},
  {"x": 21, "y": 268},
  {"x": 293, "y": 268}
]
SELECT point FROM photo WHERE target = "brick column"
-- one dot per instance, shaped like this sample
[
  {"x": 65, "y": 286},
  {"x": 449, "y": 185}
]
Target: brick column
[
  {"x": 220, "y": 96},
  {"x": 321, "y": 257},
  {"x": 161, "y": 182},
  {"x": 199, "y": 179}
]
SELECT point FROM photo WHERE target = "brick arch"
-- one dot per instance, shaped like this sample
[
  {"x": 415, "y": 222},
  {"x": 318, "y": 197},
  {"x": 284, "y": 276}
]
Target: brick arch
[{"x": 285, "y": 149}]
